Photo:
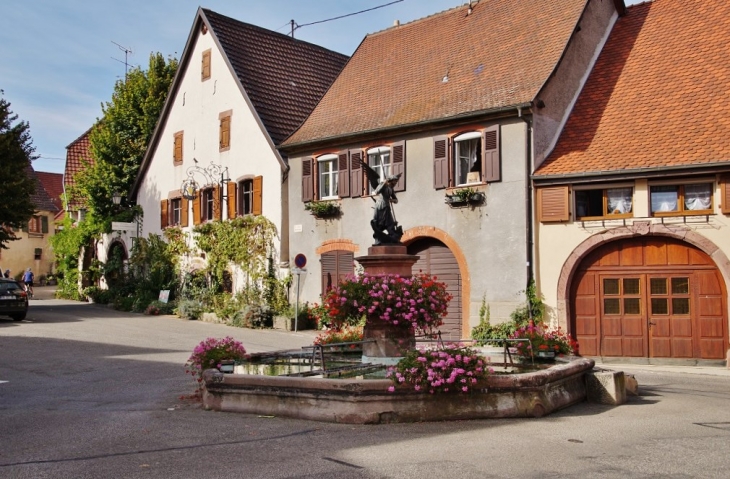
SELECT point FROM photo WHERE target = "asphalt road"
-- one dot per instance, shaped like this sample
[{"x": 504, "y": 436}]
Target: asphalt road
[{"x": 87, "y": 392}]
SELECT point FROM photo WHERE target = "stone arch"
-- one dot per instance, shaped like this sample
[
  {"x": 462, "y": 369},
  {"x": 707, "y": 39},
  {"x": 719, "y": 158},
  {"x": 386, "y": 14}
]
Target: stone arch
[
  {"x": 339, "y": 244},
  {"x": 681, "y": 233},
  {"x": 419, "y": 232}
]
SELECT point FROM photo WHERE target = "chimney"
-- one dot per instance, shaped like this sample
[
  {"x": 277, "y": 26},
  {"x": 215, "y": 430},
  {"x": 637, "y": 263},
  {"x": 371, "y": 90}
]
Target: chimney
[{"x": 396, "y": 23}]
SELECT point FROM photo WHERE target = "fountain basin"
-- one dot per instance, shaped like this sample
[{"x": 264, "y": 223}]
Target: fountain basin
[{"x": 367, "y": 401}]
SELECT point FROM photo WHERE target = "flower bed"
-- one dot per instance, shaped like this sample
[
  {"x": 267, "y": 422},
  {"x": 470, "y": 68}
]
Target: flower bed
[{"x": 543, "y": 343}]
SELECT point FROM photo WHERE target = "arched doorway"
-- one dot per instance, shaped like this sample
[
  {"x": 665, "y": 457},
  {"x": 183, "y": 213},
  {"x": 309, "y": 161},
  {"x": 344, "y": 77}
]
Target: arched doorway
[
  {"x": 116, "y": 261},
  {"x": 649, "y": 296},
  {"x": 437, "y": 259}
]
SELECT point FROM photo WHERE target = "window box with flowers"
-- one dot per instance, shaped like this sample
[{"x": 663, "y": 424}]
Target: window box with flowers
[
  {"x": 464, "y": 196},
  {"x": 543, "y": 343},
  {"x": 323, "y": 209}
]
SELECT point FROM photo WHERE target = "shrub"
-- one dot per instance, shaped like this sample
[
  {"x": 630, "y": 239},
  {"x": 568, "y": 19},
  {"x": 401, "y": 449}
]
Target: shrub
[
  {"x": 255, "y": 316},
  {"x": 209, "y": 354},
  {"x": 454, "y": 369},
  {"x": 158, "y": 307},
  {"x": 189, "y": 309}
]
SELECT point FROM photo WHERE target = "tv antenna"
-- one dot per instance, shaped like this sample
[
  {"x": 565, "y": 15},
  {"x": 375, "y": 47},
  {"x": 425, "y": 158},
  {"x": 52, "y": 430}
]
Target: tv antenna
[{"x": 126, "y": 51}]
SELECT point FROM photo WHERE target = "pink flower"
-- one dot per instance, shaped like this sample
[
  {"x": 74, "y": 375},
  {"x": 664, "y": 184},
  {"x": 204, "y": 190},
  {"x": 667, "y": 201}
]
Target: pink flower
[{"x": 391, "y": 389}]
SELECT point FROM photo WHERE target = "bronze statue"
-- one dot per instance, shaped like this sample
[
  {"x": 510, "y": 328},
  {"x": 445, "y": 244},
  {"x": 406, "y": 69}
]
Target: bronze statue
[{"x": 385, "y": 227}]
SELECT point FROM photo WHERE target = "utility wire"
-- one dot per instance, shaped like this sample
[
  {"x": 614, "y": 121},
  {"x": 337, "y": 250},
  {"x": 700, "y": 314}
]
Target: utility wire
[{"x": 297, "y": 26}]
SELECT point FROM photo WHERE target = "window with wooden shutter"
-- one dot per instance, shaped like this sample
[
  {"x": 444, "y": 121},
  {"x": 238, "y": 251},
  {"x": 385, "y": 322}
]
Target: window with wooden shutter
[
  {"x": 231, "y": 192},
  {"x": 490, "y": 154},
  {"x": 183, "y": 212},
  {"x": 398, "y": 150},
  {"x": 552, "y": 204},
  {"x": 307, "y": 180},
  {"x": 217, "y": 210},
  {"x": 356, "y": 176},
  {"x": 440, "y": 162},
  {"x": 725, "y": 192},
  {"x": 177, "y": 153},
  {"x": 343, "y": 171},
  {"x": 258, "y": 185},
  {"x": 164, "y": 219},
  {"x": 197, "y": 216},
  {"x": 205, "y": 69},
  {"x": 336, "y": 266},
  {"x": 44, "y": 224},
  {"x": 225, "y": 131}
]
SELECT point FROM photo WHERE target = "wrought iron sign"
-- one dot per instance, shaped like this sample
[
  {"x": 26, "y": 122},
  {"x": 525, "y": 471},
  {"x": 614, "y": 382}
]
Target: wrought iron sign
[{"x": 199, "y": 177}]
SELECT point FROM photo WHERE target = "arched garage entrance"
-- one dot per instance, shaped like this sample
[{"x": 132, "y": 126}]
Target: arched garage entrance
[
  {"x": 649, "y": 296},
  {"x": 437, "y": 259}
]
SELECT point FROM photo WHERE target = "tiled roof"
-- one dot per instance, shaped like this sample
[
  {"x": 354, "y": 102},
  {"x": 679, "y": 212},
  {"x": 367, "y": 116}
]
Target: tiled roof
[
  {"x": 53, "y": 184},
  {"x": 283, "y": 77},
  {"x": 77, "y": 157},
  {"x": 497, "y": 57},
  {"x": 656, "y": 97},
  {"x": 41, "y": 199}
]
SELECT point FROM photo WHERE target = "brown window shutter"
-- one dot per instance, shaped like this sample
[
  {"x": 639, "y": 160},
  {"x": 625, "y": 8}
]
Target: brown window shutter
[
  {"x": 225, "y": 132},
  {"x": 164, "y": 219},
  {"x": 440, "y": 162},
  {"x": 258, "y": 185},
  {"x": 183, "y": 212},
  {"x": 217, "y": 211},
  {"x": 398, "y": 152},
  {"x": 356, "y": 176},
  {"x": 490, "y": 154},
  {"x": 232, "y": 199},
  {"x": 329, "y": 270},
  {"x": 44, "y": 224},
  {"x": 205, "y": 69},
  {"x": 177, "y": 154},
  {"x": 343, "y": 175},
  {"x": 725, "y": 192},
  {"x": 552, "y": 204},
  {"x": 196, "y": 209},
  {"x": 345, "y": 265},
  {"x": 307, "y": 180}
]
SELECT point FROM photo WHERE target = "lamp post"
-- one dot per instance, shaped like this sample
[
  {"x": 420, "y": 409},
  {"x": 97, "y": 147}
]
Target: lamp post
[{"x": 116, "y": 198}]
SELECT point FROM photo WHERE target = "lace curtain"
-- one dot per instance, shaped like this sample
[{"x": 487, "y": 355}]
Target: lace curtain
[
  {"x": 697, "y": 197},
  {"x": 619, "y": 200}
]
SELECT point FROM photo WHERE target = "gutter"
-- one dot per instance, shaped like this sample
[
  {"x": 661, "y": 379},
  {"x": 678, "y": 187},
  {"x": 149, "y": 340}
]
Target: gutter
[
  {"x": 647, "y": 172},
  {"x": 529, "y": 240}
]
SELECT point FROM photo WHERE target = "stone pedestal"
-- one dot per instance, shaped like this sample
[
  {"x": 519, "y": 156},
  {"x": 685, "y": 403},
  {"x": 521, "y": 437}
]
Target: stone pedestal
[{"x": 389, "y": 340}]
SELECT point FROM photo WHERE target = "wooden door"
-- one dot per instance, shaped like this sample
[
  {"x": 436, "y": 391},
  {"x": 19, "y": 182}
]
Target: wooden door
[
  {"x": 670, "y": 315},
  {"x": 623, "y": 319}
]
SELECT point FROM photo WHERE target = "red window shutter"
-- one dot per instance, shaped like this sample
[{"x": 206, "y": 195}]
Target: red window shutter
[
  {"x": 196, "y": 209},
  {"x": 490, "y": 154},
  {"x": 552, "y": 204},
  {"x": 440, "y": 162},
  {"x": 183, "y": 212},
  {"x": 725, "y": 192},
  {"x": 164, "y": 219},
  {"x": 343, "y": 175},
  {"x": 307, "y": 180},
  {"x": 356, "y": 176},
  {"x": 398, "y": 152},
  {"x": 258, "y": 185},
  {"x": 231, "y": 199}
]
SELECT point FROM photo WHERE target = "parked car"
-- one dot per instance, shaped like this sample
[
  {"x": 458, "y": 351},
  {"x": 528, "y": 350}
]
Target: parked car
[{"x": 13, "y": 299}]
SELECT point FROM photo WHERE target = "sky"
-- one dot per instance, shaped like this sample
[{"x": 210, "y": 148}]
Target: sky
[{"x": 60, "y": 59}]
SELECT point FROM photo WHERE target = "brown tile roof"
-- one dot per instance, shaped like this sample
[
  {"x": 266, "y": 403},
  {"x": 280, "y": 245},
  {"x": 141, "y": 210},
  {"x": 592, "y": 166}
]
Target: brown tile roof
[
  {"x": 497, "y": 57},
  {"x": 283, "y": 77},
  {"x": 77, "y": 157},
  {"x": 656, "y": 96},
  {"x": 53, "y": 184},
  {"x": 40, "y": 198}
]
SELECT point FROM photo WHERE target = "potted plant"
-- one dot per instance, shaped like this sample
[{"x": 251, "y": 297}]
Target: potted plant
[
  {"x": 543, "y": 343},
  {"x": 465, "y": 196},
  {"x": 323, "y": 209}
]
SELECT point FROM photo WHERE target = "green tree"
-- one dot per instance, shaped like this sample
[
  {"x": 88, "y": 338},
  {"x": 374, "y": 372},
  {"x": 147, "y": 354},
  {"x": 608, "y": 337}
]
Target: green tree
[
  {"x": 17, "y": 184},
  {"x": 119, "y": 140}
]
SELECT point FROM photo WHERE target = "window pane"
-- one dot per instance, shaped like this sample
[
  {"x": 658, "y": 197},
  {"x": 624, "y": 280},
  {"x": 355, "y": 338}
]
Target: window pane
[
  {"x": 698, "y": 197},
  {"x": 680, "y": 285},
  {"x": 631, "y": 286},
  {"x": 659, "y": 306},
  {"x": 680, "y": 305},
  {"x": 632, "y": 306},
  {"x": 664, "y": 198},
  {"x": 589, "y": 203},
  {"x": 658, "y": 285},
  {"x": 380, "y": 162},
  {"x": 619, "y": 200},
  {"x": 611, "y": 306},
  {"x": 468, "y": 160},
  {"x": 610, "y": 286}
]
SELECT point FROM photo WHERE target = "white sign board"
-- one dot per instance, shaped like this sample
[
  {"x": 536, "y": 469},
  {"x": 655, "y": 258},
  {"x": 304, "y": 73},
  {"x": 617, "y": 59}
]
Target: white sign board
[{"x": 117, "y": 226}]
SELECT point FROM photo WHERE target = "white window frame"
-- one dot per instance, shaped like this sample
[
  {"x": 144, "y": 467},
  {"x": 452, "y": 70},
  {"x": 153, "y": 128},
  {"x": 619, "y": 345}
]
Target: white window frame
[
  {"x": 380, "y": 160},
  {"x": 458, "y": 140},
  {"x": 328, "y": 174},
  {"x": 244, "y": 194},
  {"x": 175, "y": 211}
]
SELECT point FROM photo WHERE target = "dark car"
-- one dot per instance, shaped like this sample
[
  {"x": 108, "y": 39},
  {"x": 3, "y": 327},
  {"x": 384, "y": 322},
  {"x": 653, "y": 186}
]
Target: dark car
[{"x": 13, "y": 299}]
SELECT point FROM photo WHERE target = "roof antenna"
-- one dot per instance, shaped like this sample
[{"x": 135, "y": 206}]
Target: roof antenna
[{"x": 126, "y": 51}]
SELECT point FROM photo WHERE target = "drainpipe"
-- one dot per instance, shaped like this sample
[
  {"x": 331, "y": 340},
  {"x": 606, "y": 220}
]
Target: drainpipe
[{"x": 528, "y": 202}]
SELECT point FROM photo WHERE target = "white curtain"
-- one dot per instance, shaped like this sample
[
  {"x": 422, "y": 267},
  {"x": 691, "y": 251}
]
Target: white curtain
[
  {"x": 664, "y": 199},
  {"x": 619, "y": 200},
  {"x": 697, "y": 197}
]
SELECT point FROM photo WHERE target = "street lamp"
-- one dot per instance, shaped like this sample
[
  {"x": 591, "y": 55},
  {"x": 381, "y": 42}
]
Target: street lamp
[{"x": 116, "y": 198}]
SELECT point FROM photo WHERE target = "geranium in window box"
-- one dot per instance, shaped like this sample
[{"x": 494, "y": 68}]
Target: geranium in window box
[
  {"x": 323, "y": 209},
  {"x": 465, "y": 196}
]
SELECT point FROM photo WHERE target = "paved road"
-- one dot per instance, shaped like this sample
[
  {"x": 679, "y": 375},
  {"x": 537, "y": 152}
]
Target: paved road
[{"x": 94, "y": 393}]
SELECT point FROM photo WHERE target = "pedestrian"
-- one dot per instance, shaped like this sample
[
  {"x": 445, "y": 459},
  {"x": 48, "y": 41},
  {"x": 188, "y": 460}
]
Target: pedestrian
[
  {"x": 28, "y": 280},
  {"x": 7, "y": 273}
]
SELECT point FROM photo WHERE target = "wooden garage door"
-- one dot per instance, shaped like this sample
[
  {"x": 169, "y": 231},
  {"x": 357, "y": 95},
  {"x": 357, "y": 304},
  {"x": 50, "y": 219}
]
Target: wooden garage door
[
  {"x": 649, "y": 297},
  {"x": 437, "y": 259},
  {"x": 336, "y": 266}
]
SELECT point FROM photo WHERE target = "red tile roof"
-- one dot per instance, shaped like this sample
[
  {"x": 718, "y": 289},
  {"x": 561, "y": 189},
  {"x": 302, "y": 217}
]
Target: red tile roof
[
  {"x": 284, "y": 77},
  {"x": 53, "y": 184},
  {"x": 497, "y": 57},
  {"x": 78, "y": 157},
  {"x": 40, "y": 198},
  {"x": 656, "y": 97}
]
